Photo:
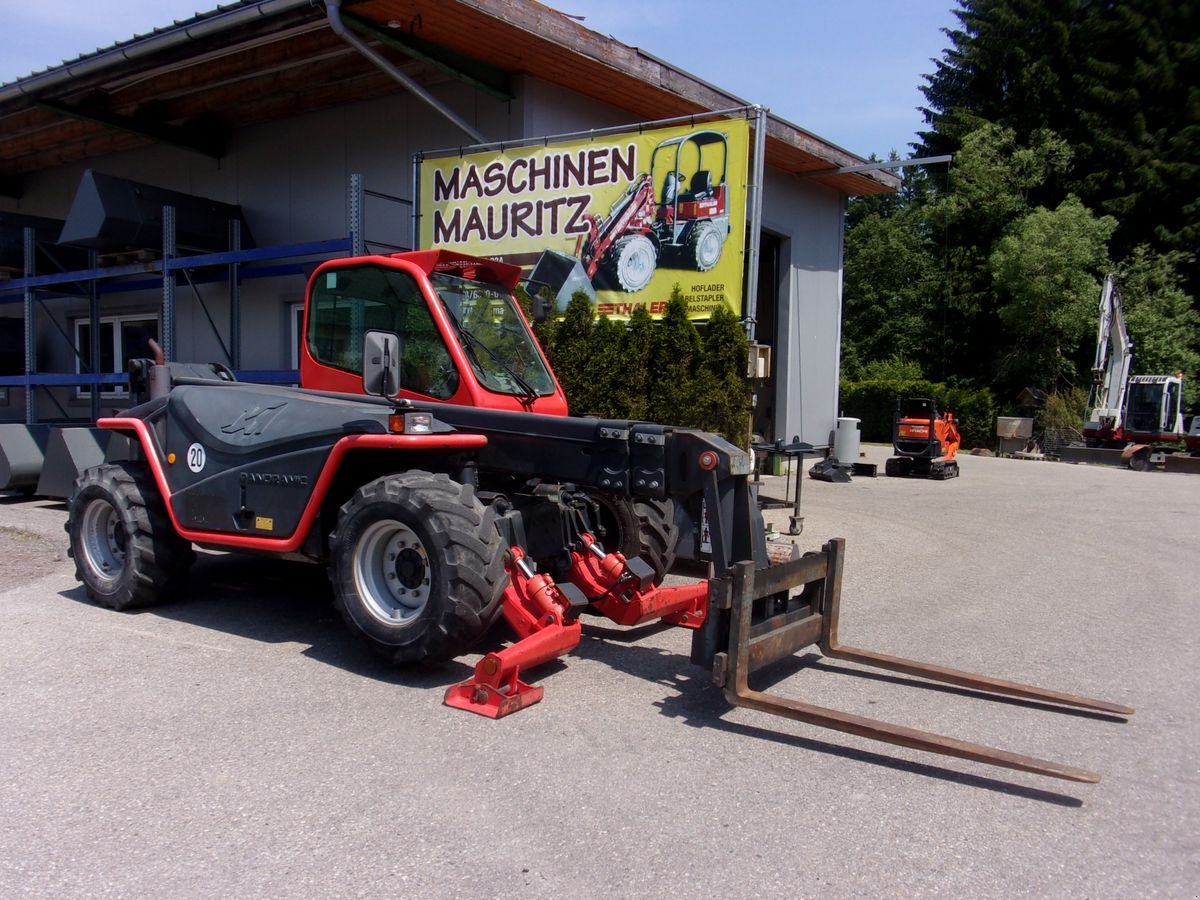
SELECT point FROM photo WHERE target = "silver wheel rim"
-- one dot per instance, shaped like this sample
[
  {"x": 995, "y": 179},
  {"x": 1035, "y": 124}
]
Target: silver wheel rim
[
  {"x": 391, "y": 572},
  {"x": 636, "y": 265},
  {"x": 708, "y": 249},
  {"x": 104, "y": 540}
]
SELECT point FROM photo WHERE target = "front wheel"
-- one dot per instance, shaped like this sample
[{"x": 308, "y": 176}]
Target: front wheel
[
  {"x": 126, "y": 552},
  {"x": 705, "y": 244},
  {"x": 1139, "y": 460},
  {"x": 631, "y": 262},
  {"x": 417, "y": 568}
]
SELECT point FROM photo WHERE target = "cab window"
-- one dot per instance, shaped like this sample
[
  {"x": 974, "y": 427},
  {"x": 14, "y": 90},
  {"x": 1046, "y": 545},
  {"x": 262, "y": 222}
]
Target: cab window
[{"x": 347, "y": 302}]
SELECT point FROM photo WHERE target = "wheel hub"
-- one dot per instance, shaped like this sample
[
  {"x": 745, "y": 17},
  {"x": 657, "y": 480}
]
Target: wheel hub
[
  {"x": 410, "y": 568},
  {"x": 392, "y": 572},
  {"x": 104, "y": 540}
]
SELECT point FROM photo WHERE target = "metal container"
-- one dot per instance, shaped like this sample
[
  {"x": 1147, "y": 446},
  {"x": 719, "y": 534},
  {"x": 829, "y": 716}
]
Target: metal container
[{"x": 846, "y": 438}]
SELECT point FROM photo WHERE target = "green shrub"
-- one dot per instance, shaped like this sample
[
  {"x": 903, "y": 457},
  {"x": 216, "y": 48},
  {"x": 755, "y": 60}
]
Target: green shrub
[
  {"x": 653, "y": 371},
  {"x": 1064, "y": 410},
  {"x": 675, "y": 359}
]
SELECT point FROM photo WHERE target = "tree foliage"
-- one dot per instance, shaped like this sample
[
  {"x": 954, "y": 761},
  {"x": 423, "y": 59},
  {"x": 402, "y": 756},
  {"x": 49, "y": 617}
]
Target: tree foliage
[
  {"x": 1075, "y": 131},
  {"x": 1119, "y": 82},
  {"x": 1046, "y": 270},
  {"x": 665, "y": 371}
]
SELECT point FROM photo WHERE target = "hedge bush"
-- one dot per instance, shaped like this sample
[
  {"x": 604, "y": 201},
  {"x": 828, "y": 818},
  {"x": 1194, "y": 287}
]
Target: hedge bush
[
  {"x": 675, "y": 374},
  {"x": 874, "y": 402},
  {"x": 666, "y": 371}
]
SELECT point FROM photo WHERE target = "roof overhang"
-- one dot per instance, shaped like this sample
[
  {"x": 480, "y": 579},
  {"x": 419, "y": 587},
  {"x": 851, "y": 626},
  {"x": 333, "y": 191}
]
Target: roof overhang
[{"x": 193, "y": 83}]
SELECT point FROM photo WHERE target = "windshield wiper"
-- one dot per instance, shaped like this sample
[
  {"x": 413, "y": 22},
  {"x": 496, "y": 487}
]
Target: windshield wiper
[{"x": 471, "y": 343}]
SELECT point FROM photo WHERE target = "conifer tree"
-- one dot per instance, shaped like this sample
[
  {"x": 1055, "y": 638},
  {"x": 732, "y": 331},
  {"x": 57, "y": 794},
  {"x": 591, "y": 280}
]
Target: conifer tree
[{"x": 674, "y": 362}]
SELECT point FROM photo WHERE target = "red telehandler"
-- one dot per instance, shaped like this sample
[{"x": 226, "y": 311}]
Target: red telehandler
[{"x": 429, "y": 465}]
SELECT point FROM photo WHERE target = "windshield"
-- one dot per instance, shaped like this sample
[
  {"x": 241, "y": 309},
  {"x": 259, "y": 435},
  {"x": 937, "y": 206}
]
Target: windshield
[
  {"x": 1145, "y": 406},
  {"x": 494, "y": 336}
]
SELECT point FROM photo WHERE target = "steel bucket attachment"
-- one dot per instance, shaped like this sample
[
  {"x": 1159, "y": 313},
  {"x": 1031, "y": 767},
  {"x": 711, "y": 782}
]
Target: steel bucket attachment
[
  {"x": 563, "y": 275},
  {"x": 813, "y": 620}
]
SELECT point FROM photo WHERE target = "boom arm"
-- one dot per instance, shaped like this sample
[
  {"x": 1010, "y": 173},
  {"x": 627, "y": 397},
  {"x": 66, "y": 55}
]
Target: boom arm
[{"x": 1114, "y": 356}]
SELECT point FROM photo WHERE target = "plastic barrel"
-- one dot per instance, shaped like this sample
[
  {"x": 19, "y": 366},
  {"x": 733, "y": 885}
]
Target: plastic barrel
[{"x": 846, "y": 438}]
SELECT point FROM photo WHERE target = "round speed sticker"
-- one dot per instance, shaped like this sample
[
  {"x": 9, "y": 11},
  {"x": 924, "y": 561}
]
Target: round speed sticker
[{"x": 195, "y": 457}]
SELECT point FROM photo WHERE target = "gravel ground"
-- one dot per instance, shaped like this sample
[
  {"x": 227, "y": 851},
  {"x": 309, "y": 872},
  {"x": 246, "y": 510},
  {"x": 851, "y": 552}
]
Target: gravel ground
[
  {"x": 32, "y": 540},
  {"x": 238, "y": 742}
]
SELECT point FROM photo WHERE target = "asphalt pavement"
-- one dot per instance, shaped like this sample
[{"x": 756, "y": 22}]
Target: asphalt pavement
[{"x": 239, "y": 742}]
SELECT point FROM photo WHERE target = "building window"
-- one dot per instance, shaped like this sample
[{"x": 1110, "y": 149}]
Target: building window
[
  {"x": 12, "y": 350},
  {"x": 122, "y": 338},
  {"x": 297, "y": 319}
]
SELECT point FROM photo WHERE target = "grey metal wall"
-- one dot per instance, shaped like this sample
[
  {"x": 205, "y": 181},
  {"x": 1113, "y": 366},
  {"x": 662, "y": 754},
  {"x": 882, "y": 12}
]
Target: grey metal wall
[{"x": 808, "y": 345}]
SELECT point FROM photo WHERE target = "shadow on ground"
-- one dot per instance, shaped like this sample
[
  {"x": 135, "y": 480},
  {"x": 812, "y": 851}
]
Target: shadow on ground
[
  {"x": 698, "y": 703},
  {"x": 279, "y": 601}
]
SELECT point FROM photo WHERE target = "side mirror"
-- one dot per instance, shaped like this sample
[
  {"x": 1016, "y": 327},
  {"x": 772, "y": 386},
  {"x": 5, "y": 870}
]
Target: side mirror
[{"x": 381, "y": 363}]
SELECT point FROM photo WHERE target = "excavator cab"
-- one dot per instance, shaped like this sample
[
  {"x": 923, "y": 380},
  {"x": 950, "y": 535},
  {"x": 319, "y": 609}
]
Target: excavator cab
[
  {"x": 925, "y": 442},
  {"x": 1152, "y": 411}
]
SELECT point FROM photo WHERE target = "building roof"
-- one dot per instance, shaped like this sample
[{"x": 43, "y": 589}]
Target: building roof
[{"x": 196, "y": 81}]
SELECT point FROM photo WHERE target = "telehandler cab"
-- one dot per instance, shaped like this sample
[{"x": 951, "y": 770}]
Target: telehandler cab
[{"x": 428, "y": 463}]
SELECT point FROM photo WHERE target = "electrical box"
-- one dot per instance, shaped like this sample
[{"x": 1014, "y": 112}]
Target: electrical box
[
  {"x": 1014, "y": 427},
  {"x": 760, "y": 361}
]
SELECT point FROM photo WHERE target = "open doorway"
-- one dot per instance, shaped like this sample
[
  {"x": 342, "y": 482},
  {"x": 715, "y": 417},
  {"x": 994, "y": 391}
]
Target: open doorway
[{"x": 770, "y": 256}]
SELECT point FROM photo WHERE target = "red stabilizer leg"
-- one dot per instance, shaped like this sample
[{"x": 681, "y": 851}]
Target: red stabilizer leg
[
  {"x": 534, "y": 607},
  {"x": 493, "y": 702},
  {"x": 686, "y": 605},
  {"x": 496, "y": 690}
]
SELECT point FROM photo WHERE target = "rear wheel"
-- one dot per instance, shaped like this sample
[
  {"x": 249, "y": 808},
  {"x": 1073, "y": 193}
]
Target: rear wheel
[
  {"x": 126, "y": 551},
  {"x": 704, "y": 245},
  {"x": 644, "y": 528},
  {"x": 631, "y": 262},
  {"x": 417, "y": 567}
]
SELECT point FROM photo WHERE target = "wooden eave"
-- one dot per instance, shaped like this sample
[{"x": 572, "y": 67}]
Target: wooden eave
[{"x": 292, "y": 63}]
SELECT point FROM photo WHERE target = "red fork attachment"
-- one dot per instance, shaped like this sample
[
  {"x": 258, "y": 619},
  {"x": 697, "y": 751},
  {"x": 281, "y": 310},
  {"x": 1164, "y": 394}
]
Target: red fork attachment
[
  {"x": 543, "y": 614},
  {"x": 815, "y": 621}
]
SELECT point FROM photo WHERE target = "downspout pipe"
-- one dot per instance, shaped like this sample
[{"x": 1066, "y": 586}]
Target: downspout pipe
[{"x": 334, "y": 13}]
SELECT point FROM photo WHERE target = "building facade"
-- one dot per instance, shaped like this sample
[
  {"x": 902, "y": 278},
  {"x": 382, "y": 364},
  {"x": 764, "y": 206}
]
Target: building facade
[{"x": 308, "y": 119}]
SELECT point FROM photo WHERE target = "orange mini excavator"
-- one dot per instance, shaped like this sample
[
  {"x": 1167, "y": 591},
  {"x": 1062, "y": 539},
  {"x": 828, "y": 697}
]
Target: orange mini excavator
[{"x": 924, "y": 441}]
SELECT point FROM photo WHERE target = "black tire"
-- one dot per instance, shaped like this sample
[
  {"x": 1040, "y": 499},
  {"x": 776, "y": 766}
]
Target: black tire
[
  {"x": 631, "y": 262},
  {"x": 705, "y": 243},
  {"x": 893, "y": 468},
  {"x": 126, "y": 551},
  {"x": 1139, "y": 460},
  {"x": 644, "y": 528},
  {"x": 417, "y": 566}
]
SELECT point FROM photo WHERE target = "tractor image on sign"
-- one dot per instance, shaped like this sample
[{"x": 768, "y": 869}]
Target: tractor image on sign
[
  {"x": 674, "y": 216},
  {"x": 429, "y": 467}
]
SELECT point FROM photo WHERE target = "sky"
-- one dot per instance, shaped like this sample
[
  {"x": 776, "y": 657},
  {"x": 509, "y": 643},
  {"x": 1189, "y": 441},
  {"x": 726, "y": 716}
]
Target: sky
[{"x": 849, "y": 71}]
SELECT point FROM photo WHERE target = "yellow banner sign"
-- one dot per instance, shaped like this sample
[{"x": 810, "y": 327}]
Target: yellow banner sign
[{"x": 623, "y": 218}]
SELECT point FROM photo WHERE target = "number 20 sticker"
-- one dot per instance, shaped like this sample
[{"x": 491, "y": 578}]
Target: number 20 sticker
[{"x": 195, "y": 458}]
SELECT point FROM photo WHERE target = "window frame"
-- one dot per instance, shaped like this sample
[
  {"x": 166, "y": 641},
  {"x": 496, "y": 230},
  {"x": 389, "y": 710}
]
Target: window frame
[
  {"x": 296, "y": 318},
  {"x": 109, "y": 391}
]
